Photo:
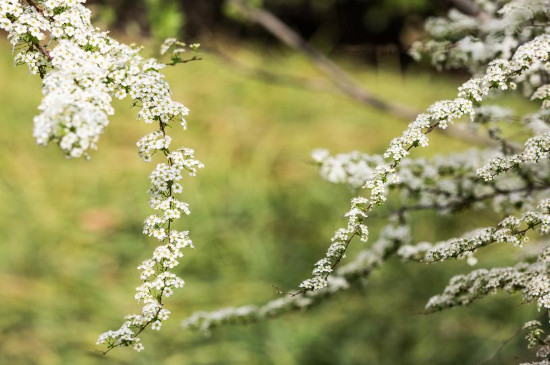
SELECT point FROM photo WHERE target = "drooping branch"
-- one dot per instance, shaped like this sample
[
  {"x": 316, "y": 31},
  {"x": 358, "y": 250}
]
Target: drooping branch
[{"x": 86, "y": 70}]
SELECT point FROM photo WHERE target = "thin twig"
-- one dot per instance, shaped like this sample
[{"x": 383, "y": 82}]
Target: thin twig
[
  {"x": 36, "y": 44},
  {"x": 501, "y": 347}
]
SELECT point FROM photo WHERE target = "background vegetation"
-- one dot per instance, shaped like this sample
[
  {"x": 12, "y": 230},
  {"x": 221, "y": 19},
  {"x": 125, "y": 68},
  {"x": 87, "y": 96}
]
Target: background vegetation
[{"x": 71, "y": 230}]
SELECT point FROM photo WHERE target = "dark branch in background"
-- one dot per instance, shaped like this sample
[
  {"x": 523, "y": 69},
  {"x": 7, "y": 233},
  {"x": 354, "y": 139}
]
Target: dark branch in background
[
  {"x": 336, "y": 75},
  {"x": 468, "y": 7},
  {"x": 498, "y": 352},
  {"x": 271, "y": 77}
]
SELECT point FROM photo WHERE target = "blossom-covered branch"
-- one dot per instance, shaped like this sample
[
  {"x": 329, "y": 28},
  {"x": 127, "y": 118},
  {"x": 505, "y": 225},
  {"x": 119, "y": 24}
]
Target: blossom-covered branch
[
  {"x": 531, "y": 279},
  {"x": 511, "y": 230},
  {"x": 445, "y": 183},
  {"x": 82, "y": 69},
  {"x": 500, "y": 75}
]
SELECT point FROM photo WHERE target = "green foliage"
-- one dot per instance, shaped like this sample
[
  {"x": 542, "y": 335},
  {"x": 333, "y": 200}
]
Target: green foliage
[
  {"x": 165, "y": 18},
  {"x": 377, "y": 18}
]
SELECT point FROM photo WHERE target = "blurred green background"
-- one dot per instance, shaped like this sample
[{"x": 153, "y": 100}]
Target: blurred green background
[{"x": 71, "y": 230}]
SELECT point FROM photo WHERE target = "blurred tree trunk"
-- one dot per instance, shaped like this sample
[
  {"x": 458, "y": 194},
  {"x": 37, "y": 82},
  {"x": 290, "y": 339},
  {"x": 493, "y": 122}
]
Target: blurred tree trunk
[
  {"x": 132, "y": 11},
  {"x": 200, "y": 17}
]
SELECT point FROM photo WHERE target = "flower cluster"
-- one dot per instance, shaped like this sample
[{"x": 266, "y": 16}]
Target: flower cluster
[
  {"x": 471, "y": 41},
  {"x": 83, "y": 69},
  {"x": 530, "y": 279},
  {"x": 445, "y": 183},
  {"x": 534, "y": 333},
  {"x": 158, "y": 282},
  {"x": 536, "y": 148},
  {"x": 536, "y": 338},
  {"x": 152, "y": 142}
]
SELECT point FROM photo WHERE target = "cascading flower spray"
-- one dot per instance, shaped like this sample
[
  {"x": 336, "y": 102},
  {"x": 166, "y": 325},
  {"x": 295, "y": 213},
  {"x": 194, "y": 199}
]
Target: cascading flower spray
[{"x": 82, "y": 69}]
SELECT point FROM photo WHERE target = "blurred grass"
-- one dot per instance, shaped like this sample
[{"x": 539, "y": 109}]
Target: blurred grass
[{"x": 261, "y": 216}]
